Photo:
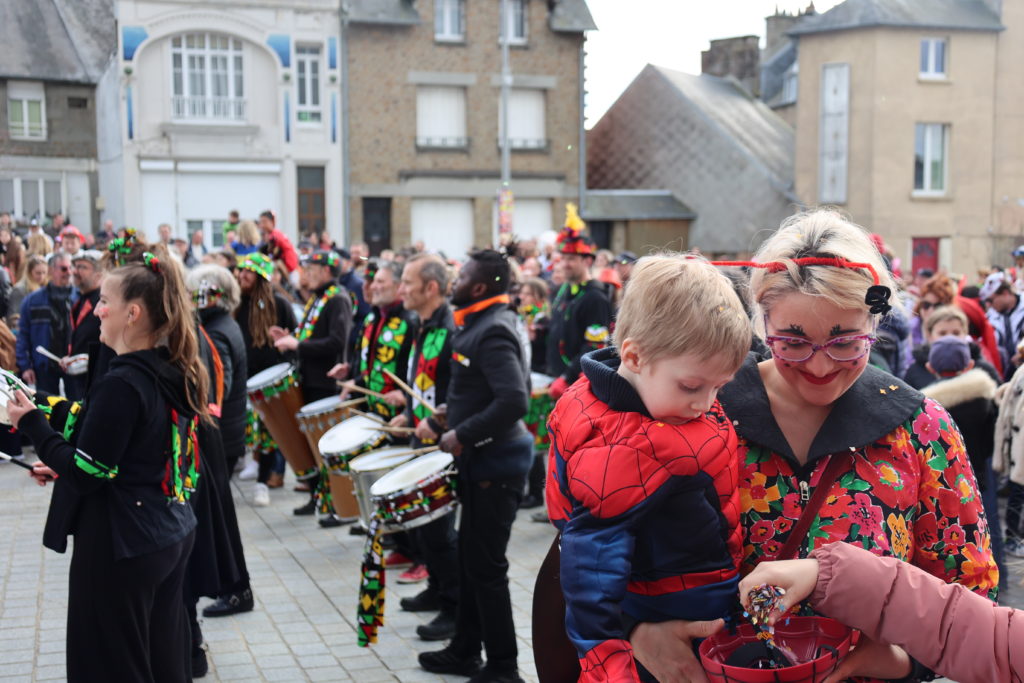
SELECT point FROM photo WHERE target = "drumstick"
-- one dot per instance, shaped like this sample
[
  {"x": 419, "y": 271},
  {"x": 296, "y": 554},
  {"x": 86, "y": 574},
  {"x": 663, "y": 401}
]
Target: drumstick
[
  {"x": 376, "y": 418},
  {"x": 412, "y": 392},
  {"x": 43, "y": 351},
  {"x": 416, "y": 451},
  {"x": 19, "y": 463},
  {"x": 368, "y": 392}
]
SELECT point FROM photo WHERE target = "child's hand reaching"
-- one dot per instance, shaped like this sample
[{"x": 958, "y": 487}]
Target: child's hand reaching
[{"x": 798, "y": 577}]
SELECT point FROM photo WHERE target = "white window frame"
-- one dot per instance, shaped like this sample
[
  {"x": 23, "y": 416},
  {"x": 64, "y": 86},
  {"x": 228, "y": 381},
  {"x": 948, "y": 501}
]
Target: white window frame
[
  {"x": 205, "y": 107},
  {"x": 929, "y": 131},
  {"x": 519, "y": 19},
  {"x": 834, "y": 134},
  {"x": 18, "y": 208},
  {"x": 445, "y": 11},
  {"x": 308, "y": 60},
  {"x": 791, "y": 84},
  {"x": 928, "y": 48},
  {"x": 425, "y": 140},
  {"x": 19, "y": 95},
  {"x": 519, "y": 144}
]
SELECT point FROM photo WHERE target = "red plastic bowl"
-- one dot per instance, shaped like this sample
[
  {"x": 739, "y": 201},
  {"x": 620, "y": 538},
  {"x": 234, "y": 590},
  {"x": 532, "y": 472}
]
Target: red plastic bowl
[{"x": 818, "y": 642}]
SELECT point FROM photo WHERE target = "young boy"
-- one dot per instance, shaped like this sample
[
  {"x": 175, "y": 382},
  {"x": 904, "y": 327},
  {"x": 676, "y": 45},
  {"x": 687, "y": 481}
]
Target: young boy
[{"x": 643, "y": 465}]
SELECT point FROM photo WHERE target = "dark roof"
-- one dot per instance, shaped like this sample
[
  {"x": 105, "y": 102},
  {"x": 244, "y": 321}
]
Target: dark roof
[
  {"x": 571, "y": 16},
  {"x": 773, "y": 72},
  {"x": 57, "y": 40},
  {"x": 618, "y": 205},
  {"x": 753, "y": 127},
  {"x": 966, "y": 15},
  {"x": 395, "y": 12}
]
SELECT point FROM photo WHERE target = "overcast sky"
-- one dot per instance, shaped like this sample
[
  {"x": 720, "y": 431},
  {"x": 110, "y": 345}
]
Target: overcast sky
[{"x": 669, "y": 33}]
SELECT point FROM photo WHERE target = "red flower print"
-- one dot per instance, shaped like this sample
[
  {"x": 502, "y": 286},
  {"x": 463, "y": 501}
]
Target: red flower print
[
  {"x": 838, "y": 529},
  {"x": 926, "y": 427},
  {"x": 835, "y": 506},
  {"x": 791, "y": 506},
  {"x": 978, "y": 571},
  {"x": 868, "y": 515},
  {"x": 926, "y": 531},
  {"x": 771, "y": 549},
  {"x": 761, "y": 531},
  {"x": 954, "y": 536},
  {"x": 951, "y": 505},
  {"x": 886, "y": 481},
  {"x": 782, "y": 525},
  {"x": 928, "y": 484}
]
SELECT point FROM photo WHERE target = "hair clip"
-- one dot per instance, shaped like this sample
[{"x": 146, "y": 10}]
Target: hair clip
[
  {"x": 876, "y": 298},
  {"x": 151, "y": 261}
]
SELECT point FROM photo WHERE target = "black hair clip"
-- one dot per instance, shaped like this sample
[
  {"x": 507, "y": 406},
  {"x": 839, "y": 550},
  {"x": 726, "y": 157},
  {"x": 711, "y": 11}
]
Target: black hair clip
[{"x": 877, "y": 299}]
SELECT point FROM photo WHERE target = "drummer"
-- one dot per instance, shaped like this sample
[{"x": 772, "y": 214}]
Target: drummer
[
  {"x": 422, "y": 290},
  {"x": 86, "y": 275},
  {"x": 320, "y": 341}
]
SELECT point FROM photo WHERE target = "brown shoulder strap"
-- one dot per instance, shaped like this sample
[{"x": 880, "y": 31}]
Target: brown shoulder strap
[
  {"x": 218, "y": 372},
  {"x": 803, "y": 525}
]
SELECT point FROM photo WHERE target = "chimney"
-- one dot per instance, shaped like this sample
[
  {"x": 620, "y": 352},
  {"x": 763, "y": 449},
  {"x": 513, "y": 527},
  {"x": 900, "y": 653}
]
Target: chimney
[
  {"x": 739, "y": 57},
  {"x": 780, "y": 22}
]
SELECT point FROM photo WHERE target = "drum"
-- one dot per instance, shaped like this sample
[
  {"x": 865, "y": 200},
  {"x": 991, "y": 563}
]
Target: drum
[
  {"x": 415, "y": 493},
  {"x": 9, "y": 383},
  {"x": 276, "y": 397},
  {"x": 314, "y": 420},
  {"x": 368, "y": 468},
  {"x": 78, "y": 364},
  {"x": 352, "y": 437},
  {"x": 540, "y": 406}
]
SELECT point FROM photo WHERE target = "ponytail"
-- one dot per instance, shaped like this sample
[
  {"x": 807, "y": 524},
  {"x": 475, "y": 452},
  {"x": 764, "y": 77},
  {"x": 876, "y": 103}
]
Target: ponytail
[{"x": 157, "y": 281}]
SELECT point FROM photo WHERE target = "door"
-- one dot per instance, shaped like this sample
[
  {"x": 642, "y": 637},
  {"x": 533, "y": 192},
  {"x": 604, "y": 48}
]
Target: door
[
  {"x": 312, "y": 217},
  {"x": 377, "y": 223}
]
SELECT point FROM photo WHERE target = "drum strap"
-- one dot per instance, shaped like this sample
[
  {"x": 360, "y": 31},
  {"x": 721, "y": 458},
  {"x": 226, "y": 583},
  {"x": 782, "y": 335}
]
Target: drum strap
[{"x": 218, "y": 371}]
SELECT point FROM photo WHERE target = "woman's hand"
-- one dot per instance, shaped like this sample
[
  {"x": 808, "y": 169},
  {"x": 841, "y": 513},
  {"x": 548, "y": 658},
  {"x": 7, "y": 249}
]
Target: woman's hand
[
  {"x": 18, "y": 407},
  {"x": 872, "y": 659},
  {"x": 665, "y": 648},
  {"x": 798, "y": 577},
  {"x": 42, "y": 474}
]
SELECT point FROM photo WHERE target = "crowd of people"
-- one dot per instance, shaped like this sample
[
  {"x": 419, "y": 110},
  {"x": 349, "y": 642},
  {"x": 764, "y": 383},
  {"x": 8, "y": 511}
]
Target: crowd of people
[{"x": 681, "y": 422}]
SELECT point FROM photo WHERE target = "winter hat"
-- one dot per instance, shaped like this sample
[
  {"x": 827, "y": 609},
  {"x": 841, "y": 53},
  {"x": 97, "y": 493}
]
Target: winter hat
[
  {"x": 257, "y": 263},
  {"x": 949, "y": 355}
]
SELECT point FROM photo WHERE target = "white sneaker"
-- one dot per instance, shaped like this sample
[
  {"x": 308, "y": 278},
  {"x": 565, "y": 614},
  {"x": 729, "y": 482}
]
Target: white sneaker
[
  {"x": 260, "y": 496},
  {"x": 250, "y": 471}
]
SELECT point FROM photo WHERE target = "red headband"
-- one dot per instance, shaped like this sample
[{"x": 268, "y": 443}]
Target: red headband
[{"x": 877, "y": 296}]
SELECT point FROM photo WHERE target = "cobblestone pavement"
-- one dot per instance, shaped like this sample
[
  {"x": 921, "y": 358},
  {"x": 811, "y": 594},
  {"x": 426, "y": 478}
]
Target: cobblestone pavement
[{"x": 305, "y": 581}]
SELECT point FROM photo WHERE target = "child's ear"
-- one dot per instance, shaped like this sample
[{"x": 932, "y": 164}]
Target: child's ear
[{"x": 629, "y": 352}]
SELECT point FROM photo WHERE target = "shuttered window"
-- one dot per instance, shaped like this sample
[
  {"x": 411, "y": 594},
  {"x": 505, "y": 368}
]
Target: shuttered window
[
  {"x": 444, "y": 224},
  {"x": 834, "y": 142},
  {"x": 441, "y": 116},
  {"x": 527, "y": 116}
]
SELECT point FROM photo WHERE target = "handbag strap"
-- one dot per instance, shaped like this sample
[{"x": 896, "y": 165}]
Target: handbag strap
[{"x": 803, "y": 525}]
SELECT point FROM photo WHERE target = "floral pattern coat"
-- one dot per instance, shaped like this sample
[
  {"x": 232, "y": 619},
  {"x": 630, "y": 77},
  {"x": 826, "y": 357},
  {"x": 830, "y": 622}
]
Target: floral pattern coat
[{"x": 908, "y": 490}]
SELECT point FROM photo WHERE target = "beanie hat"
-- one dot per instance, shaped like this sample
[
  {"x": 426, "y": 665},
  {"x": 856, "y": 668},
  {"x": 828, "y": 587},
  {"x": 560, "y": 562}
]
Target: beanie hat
[{"x": 949, "y": 355}]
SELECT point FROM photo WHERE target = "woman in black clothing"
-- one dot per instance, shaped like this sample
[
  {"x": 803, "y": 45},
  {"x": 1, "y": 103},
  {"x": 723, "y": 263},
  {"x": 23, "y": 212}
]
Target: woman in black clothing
[
  {"x": 125, "y": 480},
  {"x": 260, "y": 309}
]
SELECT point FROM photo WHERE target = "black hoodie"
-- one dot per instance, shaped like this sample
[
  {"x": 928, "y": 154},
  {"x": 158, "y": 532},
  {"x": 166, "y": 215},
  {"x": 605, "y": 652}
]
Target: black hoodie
[{"x": 125, "y": 430}]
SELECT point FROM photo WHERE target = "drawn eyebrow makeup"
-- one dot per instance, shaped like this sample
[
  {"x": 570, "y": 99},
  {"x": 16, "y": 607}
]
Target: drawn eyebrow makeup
[
  {"x": 838, "y": 330},
  {"x": 795, "y": 329}
]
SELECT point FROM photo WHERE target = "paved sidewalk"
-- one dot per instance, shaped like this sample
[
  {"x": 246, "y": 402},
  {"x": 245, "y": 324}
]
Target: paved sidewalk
[{"x": 305, "y": 581}]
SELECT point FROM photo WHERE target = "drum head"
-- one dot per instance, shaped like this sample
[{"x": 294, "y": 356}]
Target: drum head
[
  {"x": 381, "y": 459},
  {"x": 268, "y": 377},
  {"x": 540, "y": 381},
  {"x": 322, "y": 406},
  {"x": 79, "y": 364},
  {"x": 347, "y": 435},
  {"x": 406, "y": 475}
]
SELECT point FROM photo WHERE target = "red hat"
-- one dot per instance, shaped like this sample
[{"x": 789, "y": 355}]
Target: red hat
[
  {"x": 72, "y": 230},
  {"x": 571, "y": 239}
]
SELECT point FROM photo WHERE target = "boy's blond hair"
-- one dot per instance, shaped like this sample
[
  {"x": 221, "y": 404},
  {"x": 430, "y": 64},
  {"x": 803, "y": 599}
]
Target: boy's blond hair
[
  {"x": 942, "y": 314},
  {"x": 676, "y": 304}
]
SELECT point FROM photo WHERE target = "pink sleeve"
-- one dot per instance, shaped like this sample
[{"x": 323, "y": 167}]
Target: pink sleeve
[{"x": 946, "y": 627}]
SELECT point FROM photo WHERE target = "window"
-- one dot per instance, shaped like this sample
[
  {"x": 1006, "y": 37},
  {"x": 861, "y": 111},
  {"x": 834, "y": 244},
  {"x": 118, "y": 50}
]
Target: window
[
  {"x": 441, "y": 117},
  {"x": 207, "y": 81},
  {"x": 444, "y": 224},
  {"x": 516, "y": 19},
  {"x": 933, "y": 58},
  {"x": 307, "y": 64},
  {"x": 789, "y": 83},
  {"x": 931, "y": 158},
  {"x": 450, "y": 20},
  {"x": 26, "y": 110},
  {"x": 312, "y": 214},
  {"x": 28, "y": 198},
  {"x": 526, "y": 112},
  {"x": 834, "y": 133}
]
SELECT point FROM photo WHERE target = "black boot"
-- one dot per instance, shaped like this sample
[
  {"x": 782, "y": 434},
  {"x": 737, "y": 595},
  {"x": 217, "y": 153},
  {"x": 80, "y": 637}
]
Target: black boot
[
  {"x": 305, "y": 510},
  {"x": 441, "y": 627},
  {"x": 232, "y": 603},
  {"x": 426, "y": 600},
  {"x": 448, "y": 661}
]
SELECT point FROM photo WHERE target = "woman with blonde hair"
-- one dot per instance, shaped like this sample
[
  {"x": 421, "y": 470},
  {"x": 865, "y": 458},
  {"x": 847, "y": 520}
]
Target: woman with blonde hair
[
  {"x": 124, "y": 479},
  {"x": 248, "y": 239},
  {"x": 34, "y": 275},
  {"x": 39, "y": 245}
]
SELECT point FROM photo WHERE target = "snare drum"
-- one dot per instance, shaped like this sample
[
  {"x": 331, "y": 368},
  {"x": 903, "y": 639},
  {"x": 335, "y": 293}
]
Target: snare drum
[
  {"x": 541, "y": 404},
  {"x": 415, "y": 493},
  {"x": 314, "y": 420},
  {"x": 276, "y": 397},
  {"x": 352, "y": 437},
  {"x": 368, "y": 468},
  {"x": 9, "y": 383}
]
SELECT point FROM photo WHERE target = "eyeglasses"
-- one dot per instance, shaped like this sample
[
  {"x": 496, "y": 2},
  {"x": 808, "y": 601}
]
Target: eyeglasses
[
  {"x": 841, "y": 349},
  {"x": 928, "y": 305}
]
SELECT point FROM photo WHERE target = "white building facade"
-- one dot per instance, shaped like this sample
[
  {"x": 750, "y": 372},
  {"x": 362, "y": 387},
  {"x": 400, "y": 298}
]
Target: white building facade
[{"x": 227, "y": 105}]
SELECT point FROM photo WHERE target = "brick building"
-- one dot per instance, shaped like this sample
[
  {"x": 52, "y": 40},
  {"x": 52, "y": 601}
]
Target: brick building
[
  {"x": 423, "y": 118},
  {"x": 54, "y": 57}
]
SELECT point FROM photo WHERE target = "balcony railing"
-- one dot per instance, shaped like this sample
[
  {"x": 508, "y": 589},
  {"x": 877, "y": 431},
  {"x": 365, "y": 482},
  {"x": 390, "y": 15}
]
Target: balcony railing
[
  {"x": 208, "y": 108},
  {"x": 453, "y": 143}
]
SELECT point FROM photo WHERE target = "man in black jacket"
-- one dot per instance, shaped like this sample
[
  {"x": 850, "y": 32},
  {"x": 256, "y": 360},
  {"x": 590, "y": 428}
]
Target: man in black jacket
[
  {"x": 320, "y": 341},
  {"x": 487, "y": 399},
  {"x": 85, "y": 326}
]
